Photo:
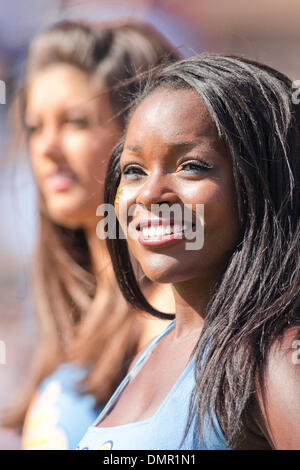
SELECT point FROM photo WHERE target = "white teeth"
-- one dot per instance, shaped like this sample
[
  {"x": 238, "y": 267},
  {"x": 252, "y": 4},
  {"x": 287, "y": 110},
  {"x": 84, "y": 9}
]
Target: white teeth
[
  {"x": 151, "y": 232},
  {"x": 145, "y": 231},
  {"x": 159, "y": 231}
]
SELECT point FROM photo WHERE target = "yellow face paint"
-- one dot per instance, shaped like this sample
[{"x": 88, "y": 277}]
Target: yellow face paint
[{"x": 119, "y": 192}]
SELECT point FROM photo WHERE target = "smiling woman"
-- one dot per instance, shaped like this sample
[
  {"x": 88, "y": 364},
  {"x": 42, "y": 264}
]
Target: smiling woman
[
  {"x": 157, "y": 168},
  {"x": 223, "y": 132}
]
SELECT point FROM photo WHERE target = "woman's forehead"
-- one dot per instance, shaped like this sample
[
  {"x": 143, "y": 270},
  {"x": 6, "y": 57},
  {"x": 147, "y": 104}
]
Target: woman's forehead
[{"x": 172, "y": 114}]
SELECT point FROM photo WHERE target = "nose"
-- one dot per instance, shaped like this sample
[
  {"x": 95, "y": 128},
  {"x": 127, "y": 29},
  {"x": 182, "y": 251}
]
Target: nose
[
  {"x": 50, "y": 143},
  {"x": 156, "y": 190}
]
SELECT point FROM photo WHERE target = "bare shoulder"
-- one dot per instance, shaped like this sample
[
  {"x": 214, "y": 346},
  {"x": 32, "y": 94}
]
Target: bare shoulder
[{"x": 281, "y": 406}]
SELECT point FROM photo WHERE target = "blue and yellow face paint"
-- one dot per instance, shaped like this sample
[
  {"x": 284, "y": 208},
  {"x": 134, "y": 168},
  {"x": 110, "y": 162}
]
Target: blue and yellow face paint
[{"x": 117, "y": 198}]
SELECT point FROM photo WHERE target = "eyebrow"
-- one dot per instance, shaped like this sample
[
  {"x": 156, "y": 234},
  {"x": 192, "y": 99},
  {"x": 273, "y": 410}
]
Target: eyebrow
[
  {"x": 182, "y": 144},
  {"x": 134, "y": 148}
]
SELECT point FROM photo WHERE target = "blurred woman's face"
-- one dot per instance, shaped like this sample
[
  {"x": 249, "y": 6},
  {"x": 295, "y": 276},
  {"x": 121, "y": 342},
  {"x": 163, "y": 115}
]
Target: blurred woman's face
[
  {"x": 72, "y": 131},
  {"x": 173, "y": 155}
]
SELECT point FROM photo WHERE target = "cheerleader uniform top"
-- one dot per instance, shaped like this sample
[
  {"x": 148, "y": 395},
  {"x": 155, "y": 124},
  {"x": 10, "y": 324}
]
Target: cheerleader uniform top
[
  {"x": 165, "y": 429},
  {"x": 59, "y": 414}
]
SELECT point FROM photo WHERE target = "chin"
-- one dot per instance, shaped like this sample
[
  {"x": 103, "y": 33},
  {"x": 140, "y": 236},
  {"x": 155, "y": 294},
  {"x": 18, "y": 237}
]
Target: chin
[
  {"x": 163, "y": 274},
  {"x": 65, "y": 221},
  {"x": 71, "y": 214},
  {"x": 65, "y": 217}
]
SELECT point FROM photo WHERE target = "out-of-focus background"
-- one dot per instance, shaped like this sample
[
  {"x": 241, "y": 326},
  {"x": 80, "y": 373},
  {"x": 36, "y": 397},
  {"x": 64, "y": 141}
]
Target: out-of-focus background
[{"x": 265, "y": 30}]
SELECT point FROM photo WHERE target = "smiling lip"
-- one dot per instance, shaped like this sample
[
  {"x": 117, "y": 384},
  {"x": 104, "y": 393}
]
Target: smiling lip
[
  {"x": 154, "y": 232},
  {"x": 60, "y": 181},
  {"x": 159, "y": 241}
]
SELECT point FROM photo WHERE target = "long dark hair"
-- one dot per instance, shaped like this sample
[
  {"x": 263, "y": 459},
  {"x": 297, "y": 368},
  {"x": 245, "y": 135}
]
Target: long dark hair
[
  {"x": 257, "y": 299},
  {"x": 73, "y": 323}
]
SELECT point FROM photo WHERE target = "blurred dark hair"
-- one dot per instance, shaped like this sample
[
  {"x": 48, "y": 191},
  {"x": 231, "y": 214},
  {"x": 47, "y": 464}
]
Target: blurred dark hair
[
  {"x": 257, "y": 299},
  {"x": 73, "y": 323}
]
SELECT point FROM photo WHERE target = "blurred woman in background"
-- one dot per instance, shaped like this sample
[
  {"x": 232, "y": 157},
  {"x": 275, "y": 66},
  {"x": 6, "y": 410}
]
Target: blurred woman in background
[{"x": 75, "y": 101}]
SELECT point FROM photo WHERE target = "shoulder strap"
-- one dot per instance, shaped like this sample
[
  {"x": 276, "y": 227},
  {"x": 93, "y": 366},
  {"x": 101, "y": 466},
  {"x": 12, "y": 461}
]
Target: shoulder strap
[{"x": 131, "y": 375}]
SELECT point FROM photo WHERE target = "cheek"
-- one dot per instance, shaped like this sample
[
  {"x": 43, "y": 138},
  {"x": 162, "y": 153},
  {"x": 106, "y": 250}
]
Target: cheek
[
  {"x": 83, "y": 155},
  {"x": 90, "y": 152},
  {"x": 208, "y": 195},
  {"x": 125, "y": 206},
  {"x": 221, "y": 222},
  {"x": 38, "y": 164},
  {"x": 81, "y": 144}
]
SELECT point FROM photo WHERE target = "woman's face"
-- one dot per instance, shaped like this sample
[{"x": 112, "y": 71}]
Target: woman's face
[
  {"x": 173, "y": 155},
  {"x": 71, "y": 134}
]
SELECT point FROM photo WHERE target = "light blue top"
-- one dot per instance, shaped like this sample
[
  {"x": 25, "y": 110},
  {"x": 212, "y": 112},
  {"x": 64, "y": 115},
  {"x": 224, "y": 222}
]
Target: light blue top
[
  {"x": 165, "y": 429},
  {"x": 60, "y": 413}
]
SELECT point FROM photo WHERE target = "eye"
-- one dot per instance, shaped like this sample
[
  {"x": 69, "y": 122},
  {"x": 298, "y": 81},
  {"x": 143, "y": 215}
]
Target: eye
[
  {"x": 196, "y": 166},
  {"x": 80, "y": 123},
  {"x": 132, "y": 172},
  {"x": 30, "y": 129}
]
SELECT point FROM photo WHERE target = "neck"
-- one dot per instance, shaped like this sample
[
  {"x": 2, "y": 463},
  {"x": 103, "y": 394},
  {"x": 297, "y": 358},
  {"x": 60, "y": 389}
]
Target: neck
[{"x": 191, "y": 300}]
